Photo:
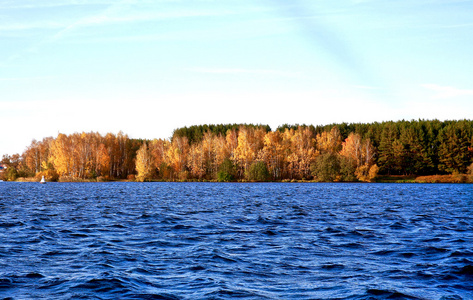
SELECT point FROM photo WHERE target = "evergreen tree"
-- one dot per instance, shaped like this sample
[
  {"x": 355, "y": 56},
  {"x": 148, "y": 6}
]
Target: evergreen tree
[{"x": 455, "y": 140}]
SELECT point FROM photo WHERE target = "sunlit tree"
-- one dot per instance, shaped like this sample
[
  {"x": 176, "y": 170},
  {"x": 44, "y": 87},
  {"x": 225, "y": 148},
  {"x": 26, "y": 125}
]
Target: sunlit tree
[{"x": 144, "y": 164}]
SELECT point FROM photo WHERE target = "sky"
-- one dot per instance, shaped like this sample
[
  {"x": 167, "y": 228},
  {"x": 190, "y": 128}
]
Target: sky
[{"x": 148, "y": 67}]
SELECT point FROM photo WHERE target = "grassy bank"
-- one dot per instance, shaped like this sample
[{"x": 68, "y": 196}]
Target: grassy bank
[{"x": 453, "y": 178}]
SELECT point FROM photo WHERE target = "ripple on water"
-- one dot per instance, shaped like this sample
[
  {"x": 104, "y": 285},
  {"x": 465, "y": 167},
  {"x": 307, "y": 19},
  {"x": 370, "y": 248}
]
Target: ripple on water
[{"x": 225, "y": 241}]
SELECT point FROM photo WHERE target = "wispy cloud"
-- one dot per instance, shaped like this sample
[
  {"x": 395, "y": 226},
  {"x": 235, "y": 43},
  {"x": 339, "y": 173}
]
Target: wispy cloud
[
  {"x": 78, "y": 26},
  {"x": 447, "y": 91}
]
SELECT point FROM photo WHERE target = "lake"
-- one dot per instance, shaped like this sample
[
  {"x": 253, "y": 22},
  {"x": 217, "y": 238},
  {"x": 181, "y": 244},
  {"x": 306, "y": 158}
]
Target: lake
[{"x": 236, "y": 240}]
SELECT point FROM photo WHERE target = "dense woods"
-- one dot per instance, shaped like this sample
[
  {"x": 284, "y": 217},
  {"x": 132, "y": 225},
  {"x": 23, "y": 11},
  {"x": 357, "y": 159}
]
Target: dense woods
[{"x": 236, "y": 152}]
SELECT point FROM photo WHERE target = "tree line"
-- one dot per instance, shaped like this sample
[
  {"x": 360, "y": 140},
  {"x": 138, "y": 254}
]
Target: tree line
[
  {"x": 76, "y": 156},
  {"x": 236, "y": 152}
]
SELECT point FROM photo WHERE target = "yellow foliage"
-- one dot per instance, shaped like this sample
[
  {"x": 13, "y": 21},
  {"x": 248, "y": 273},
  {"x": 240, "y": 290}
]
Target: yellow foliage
[
  {"x": 144, "y": 163},
  {"x": 329, "y": 141},
  {"x": 366, "y": 172}
]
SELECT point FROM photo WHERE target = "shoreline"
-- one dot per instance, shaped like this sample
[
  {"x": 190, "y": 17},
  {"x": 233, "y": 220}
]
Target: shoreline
[{"x": 456, "y": 178}]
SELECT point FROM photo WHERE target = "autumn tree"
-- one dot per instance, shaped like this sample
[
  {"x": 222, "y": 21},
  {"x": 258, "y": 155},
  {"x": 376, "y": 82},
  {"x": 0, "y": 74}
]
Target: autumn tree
[
  {"x": 250, "y": 142},
  {"x": 36, "y": 154},
  {"x": 231, "y": 141},
  {"x": 329, "y": 141},
  {"x": 176, "y": 157},
  {"x": 15, "y": 167},
  {"x": 327, "y": 165},
  {"x": 144, "y": 163},
  {"x": 209, "y": 154},
  {"x": 352, "y": 149},
  {"x": 61, "y": 155},
  {"x": 273, "y": 154},
  {"x": 366, "y": 172},
  {"x": 159, "y": 149},
  {"x": 290, "y": 152},
  {"x": 303, "y": 146},
  {"x": 221, "y": 151},
  {"x": 196, "y": 161},
  {"x": 360, "y": 154},
  {"x": 102, "y": 160}
]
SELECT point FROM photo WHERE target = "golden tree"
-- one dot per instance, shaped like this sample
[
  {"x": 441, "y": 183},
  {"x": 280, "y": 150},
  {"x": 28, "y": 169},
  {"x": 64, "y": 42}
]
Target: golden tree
[
  {"x": 273, "y": 154},
  {"x": 176, "y": 155},
  {"x": 250, "y": 142},
  {"x": 361, "y": 153},
  {"x": 195, "y": 161},
  {"x": 102, "y": 160},
  {"x": 144, "y": 163},
  {"x": 352, "y": 148},
  {"x": 60, "y": 155},
  {"x": 329, "y": 141}
]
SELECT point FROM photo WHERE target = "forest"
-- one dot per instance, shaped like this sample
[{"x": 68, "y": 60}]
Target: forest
[{"x": 246, "y": 152}]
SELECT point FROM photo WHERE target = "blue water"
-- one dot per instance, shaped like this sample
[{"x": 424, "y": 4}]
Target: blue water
[{"x": 226, "y": 241}]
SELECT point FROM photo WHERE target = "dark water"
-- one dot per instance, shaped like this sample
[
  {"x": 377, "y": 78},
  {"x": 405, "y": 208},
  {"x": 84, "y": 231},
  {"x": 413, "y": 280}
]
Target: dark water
[{"x": 226, "y": 241}]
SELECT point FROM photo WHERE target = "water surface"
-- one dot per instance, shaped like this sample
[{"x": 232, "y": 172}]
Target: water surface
[{"x": 231, "y": 240}]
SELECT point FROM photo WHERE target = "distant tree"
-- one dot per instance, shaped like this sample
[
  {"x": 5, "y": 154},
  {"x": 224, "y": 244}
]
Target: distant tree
[
  {"x": 250, "y": 142},
  {"x": 176, "y": 156},
  {"x": 257, "y": 172},
  {"x": 195, "y": 134},
  {"x": 347, "y": 169},
  {"x": 291, "y": 152},
  {"x": 15, "y": 167},
  {"x": 470, "y": 169},
  {"x": 455, "y": 140},
  {"x": 389, "y": 149},
  {"x": 221, "y": 151},
  {"x": 352, "y": 148},
  {"x": 226, "y": 171},
  {"x": 195, "y": 161},
  {"x": 329, "y": 141},
  {"x": 327, "y": 167},
  {"x": 366, "y": 172},
  {"x": 61, "y": 155},
  {"x": 273, "y": 154},
  {"x": 11, "y": 174},
  {"x": 102, "y": 163},
  {"x": 144, "y": 164}
]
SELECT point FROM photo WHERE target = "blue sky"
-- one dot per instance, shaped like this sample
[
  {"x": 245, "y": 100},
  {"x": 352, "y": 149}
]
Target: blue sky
[{"x": 149, "y": 67}]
